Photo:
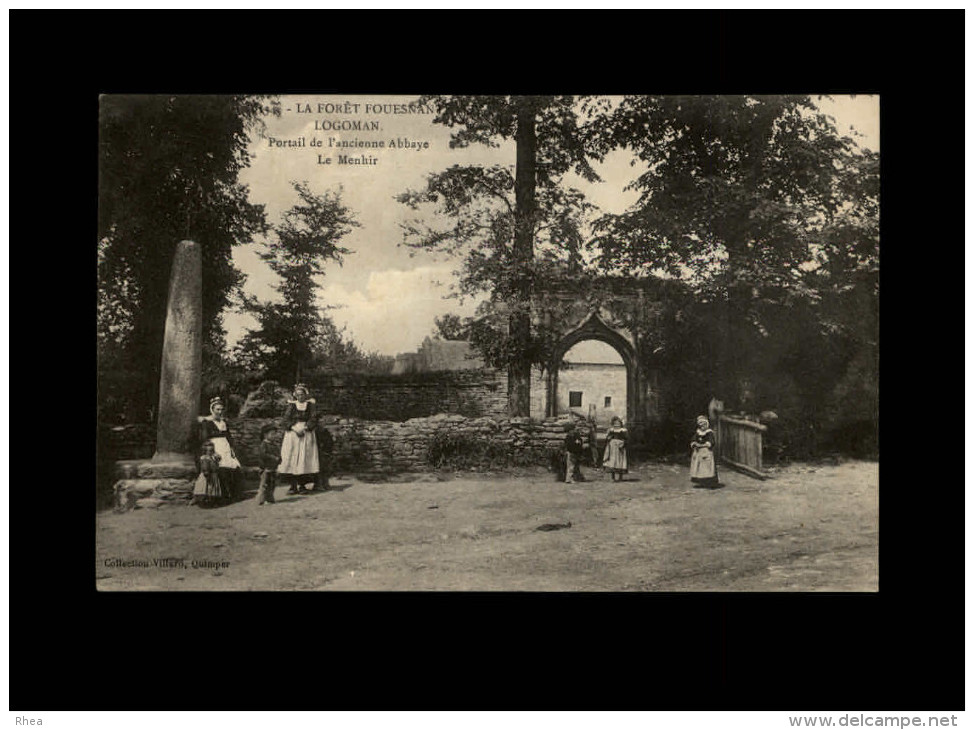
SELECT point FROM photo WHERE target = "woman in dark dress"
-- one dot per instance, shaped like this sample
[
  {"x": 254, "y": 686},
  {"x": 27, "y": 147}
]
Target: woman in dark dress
[{"x": 703, "y": 460}]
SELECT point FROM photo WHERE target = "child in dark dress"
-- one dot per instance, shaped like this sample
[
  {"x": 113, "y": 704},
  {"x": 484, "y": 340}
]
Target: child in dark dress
[{"x": 209, "y": 489}]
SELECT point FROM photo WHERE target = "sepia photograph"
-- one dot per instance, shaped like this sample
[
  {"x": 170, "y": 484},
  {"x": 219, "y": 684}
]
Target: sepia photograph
[{"x": 448, "y": 343}]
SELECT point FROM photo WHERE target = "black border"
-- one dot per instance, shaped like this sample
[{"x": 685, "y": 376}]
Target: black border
[{"x": 74, "y": 649}]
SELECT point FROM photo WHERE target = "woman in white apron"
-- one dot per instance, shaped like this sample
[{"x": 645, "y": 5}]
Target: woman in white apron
[
  {"x": 299, "y": 447},
  {"x": 703, "y": 460},
  {"x": 214, "y": 430}
]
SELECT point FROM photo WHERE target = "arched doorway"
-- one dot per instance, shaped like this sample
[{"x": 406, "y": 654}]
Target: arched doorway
[{"x": 594, "y": 329}]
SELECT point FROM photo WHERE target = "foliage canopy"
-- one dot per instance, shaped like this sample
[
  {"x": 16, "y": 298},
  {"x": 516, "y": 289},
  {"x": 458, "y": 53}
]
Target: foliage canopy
[
  {"x": 738, "y": 191},
  {"x": 294, "y": 335},
  {"x": 168, "y": 171}
]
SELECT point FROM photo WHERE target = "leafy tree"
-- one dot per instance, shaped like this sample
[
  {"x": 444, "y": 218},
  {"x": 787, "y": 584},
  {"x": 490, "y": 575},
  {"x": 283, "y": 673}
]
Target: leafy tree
[
  {"x": 451, "y": 327},
  {"x": 758, "y": 200},
  {"x": 510, "y": 229},
  {"x": 293, "y": 333},
  {"x": 335, "y": 353},
  {"x": 168, "y": 171}
]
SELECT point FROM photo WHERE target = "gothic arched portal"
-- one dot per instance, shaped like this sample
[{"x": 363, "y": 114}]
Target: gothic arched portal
[{"x": 593, "y": 328}]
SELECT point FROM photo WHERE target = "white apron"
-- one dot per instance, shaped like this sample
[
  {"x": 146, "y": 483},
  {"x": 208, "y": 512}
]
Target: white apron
[
  {"x": 223, "y": 450},
  {"x": 615, "y": 455},
  {"x": 702, "y": 464},
  {"x": 299, "y": 454}
]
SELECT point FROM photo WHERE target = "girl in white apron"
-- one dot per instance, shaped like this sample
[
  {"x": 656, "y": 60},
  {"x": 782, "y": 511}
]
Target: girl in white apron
[
  {"x": 703, "y": 460},
  {"x": 616, "y": 460}
]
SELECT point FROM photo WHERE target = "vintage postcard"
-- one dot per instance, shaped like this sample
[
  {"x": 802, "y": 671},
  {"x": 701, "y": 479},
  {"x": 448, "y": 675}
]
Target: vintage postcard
[{"x": 488, "y": 343}]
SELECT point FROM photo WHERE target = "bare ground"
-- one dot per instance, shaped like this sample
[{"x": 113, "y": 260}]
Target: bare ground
[{"x": 810, "y": 528}]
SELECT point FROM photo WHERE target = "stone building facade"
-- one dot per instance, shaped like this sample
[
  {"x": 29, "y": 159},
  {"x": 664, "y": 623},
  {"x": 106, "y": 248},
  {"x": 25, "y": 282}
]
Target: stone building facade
[{"x": 599, "y": 389}]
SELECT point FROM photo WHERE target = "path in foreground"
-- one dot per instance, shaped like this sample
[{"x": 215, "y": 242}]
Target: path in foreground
[{"x": 809, "y": 529}]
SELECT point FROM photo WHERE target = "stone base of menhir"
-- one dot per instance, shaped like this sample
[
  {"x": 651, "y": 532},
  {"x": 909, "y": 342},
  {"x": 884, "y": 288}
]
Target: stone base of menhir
[{"x": 149, "y": 484}]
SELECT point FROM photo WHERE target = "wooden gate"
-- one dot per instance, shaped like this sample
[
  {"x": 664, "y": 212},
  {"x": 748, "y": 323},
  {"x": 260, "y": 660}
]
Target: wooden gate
[{"x": 739, "y": 444}]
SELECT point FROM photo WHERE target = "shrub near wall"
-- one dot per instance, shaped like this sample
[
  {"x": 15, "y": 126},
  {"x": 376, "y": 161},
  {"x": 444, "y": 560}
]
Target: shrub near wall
[{"x": 443, "y": 441}]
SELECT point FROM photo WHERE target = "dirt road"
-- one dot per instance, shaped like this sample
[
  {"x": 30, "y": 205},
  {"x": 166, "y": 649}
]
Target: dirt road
[{"x": 811, "y": 528}]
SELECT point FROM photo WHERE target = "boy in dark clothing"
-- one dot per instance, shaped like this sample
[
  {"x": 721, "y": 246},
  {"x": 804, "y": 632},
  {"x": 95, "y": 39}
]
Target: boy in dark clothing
[
  {"x": 575, "y": 446},
  {"x": 269, "y": 456}
]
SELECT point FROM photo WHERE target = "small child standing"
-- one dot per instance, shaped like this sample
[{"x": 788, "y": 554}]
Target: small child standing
[
  {"x": 208, "y": 489},
  {"x": 269, "y": 456},
  {"x": 575, "y": 447}
]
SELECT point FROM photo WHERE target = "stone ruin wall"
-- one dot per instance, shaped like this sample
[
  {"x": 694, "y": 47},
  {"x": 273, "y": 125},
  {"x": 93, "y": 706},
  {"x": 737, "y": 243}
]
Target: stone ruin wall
[
  {"x": 389, "y": 446},
  {"x": 384, "y": 447},
  {"x": 476, "y": 393}
]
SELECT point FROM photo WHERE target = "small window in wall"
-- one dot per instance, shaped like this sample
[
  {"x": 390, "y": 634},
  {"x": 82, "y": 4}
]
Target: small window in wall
[
  {"x": 574, "y": 399},
  {"x": 608, "y": 401}
]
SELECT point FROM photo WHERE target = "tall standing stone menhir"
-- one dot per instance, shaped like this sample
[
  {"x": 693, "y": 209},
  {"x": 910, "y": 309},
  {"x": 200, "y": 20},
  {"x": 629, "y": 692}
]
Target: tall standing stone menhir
[{"x": 182, "y": 359}]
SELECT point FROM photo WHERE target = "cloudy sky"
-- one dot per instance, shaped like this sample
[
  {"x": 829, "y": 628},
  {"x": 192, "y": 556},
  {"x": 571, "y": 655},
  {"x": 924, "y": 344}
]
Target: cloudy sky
[{"x": 388, "y": 294}]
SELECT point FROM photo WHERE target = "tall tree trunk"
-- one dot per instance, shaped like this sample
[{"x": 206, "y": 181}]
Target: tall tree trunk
[{"x": 525, "y": 183}]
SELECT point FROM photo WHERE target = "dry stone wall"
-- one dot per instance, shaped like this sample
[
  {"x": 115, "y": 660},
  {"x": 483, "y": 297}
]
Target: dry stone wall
[{"x": 419, "y": 444}]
